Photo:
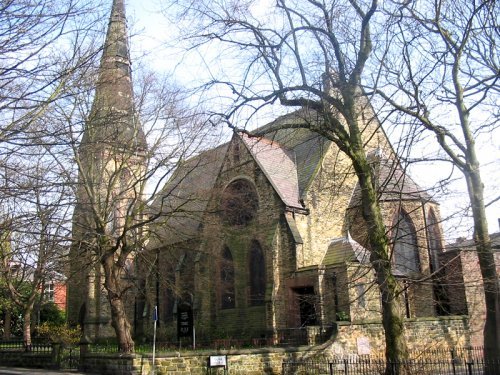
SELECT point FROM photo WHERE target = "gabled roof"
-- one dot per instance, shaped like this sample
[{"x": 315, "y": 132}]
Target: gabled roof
[
  {"x": 184, "y": 198},
  {"x": 289, "y": 158},
  {"x": 309, "y": 147},
  {"x": 393, "y": 183},
  {"x": 278, "y": 164},
  {"x": 345, "y": 250}
]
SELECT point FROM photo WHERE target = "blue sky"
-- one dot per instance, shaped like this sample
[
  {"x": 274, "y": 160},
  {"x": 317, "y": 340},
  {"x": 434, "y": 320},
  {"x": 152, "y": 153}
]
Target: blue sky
[{"x": 156, "y": 41}]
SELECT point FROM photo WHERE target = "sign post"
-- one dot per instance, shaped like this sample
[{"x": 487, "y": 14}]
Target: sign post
[
  {"x": 155, "y": 320},
  {"x": 217, "y": 361},
  {"x": 184, "y": 321}
]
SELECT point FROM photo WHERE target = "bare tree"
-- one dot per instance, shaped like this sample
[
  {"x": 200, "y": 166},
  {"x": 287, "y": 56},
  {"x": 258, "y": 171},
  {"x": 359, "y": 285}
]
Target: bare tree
[
  {"x": 56, "y": 145},
  {"x": 42, "y": 45},
  {"x": 308, "y": 54},
  {"x": 35, "y": 221},
  {"x": 116, "y": 183},
  {"x": 441, "y": 70}
]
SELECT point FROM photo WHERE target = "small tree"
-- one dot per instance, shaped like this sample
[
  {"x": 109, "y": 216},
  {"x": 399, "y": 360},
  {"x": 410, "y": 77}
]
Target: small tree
[{"x": 35, "y": 232}]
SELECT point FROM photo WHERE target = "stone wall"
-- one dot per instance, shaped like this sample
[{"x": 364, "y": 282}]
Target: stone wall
[
  {"x": 23, "y": 359},
  {"x": 267, "y": 229},
  {"x": 422, "y": 334},
  {"x": 248, "y": 362},
  {"x": 350, "y": 340}
]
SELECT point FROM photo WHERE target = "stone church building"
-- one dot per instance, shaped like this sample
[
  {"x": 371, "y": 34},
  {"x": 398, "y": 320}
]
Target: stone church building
[
  {"x": 265, "y": 234},
  {"x": 259, "y": 237}
]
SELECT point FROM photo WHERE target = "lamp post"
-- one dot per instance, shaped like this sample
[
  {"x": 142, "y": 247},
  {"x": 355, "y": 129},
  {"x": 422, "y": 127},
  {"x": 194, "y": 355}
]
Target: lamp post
[{"x": 155, "y": 320}]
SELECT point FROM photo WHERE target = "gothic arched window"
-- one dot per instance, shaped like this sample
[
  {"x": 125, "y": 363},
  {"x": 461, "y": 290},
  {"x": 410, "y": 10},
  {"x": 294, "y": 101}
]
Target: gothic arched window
[
  {"x": 169, "y": 295},
  {"x": 239, "y": 202},
  {"x": 257, "y": 274},
  {"x": 405, "y": 248},
  {"x": 227, "y": 280},
  {"x": 434, "y": 237}
]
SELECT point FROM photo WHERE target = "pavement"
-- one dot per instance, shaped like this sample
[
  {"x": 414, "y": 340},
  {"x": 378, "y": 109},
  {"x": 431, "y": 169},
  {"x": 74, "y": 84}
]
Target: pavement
[{"x": 35, "y": 371}]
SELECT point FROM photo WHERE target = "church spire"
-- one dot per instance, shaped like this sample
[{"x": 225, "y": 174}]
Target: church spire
[{"x": 113, "y": 113}]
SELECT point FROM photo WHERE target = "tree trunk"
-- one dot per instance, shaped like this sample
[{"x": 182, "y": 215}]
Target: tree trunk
[
  {"x": 27, "y": 328},
  {"x": 488, "y": 272},
  {"x": 119, "y": 320},
  {"x": 7, "y": 324},
  {"x": 392, "y": 321},
  {"x": 475, "y": 188}
]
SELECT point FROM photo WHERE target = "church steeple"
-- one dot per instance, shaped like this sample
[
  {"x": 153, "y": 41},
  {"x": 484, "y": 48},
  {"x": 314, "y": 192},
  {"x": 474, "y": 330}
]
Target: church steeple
[
  {"x": 111, "y": 168},
  {"x": 113, "y": 120}
]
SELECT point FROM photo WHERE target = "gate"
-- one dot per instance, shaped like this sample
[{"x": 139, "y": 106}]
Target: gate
[{"x": 70, "y": 358}]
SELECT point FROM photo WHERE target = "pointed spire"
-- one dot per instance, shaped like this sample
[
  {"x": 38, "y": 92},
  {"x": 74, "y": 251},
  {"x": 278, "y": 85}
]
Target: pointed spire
[
  {"x": 113, "y": 113},
  {"x": 116, "y": 56}
]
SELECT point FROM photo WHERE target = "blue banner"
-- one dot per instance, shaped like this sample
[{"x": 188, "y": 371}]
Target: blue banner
[{"x": 155, "y": 314}]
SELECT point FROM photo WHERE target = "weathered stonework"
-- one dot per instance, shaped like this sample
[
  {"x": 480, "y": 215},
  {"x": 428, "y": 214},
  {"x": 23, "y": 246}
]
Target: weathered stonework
[
  {"x": 422, "y": 334},
  {"x": 111, "y": 172},
  {"x": 351, "y": 341},
  {"x": 295, "y": 238},
  {"x": 301, "y": 210}
]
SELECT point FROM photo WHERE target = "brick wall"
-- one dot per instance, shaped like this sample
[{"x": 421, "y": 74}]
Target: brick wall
[
  {"x": 465, "y": 289},
  {"x": 60, "y": 295}
]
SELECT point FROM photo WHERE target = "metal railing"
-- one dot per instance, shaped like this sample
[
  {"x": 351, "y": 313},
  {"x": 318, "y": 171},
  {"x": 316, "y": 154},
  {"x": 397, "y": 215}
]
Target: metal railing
[
  {"x": 463, "y": 364},
  {"x": 312, "y": 335},
  {"x": 36, "y": 346},
  {"x": 60, "y": 356},
  {"x": 309, "y": 335}
]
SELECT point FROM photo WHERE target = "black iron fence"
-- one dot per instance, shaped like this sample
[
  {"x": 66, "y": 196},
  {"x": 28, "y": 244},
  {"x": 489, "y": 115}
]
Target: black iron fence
[
  {"x": 309, "y": 335},
  {"x": 61, "y": 356},
  {"x": 287, "y": 337},
  {"x": 460, "y": 361},
  {"x": 70, "y": 358},
  {"x": 36, "y": 346}
]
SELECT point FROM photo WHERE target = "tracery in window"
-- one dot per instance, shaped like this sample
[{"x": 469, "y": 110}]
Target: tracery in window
[
  {"x": 405, "y": 248},
  {"x": 239, "y": 202}
]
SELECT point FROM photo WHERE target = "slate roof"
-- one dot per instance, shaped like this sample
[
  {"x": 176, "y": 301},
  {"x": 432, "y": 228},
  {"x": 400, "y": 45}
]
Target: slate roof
[
  {"x": 278, "y": 164},
  {"x": 392, "y": 181},
  {"x": 468, "y": 244},
  {"x": 344, "y": 250},
  {"x": 288, "y": 158},
  {"x": 308, "y": 147},
  {"x": 184, "y": 198}
]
